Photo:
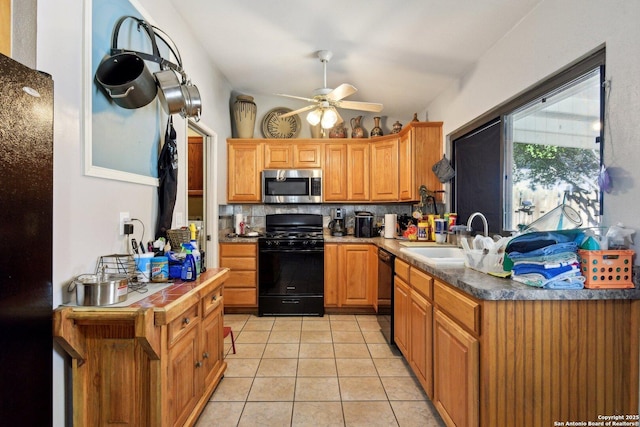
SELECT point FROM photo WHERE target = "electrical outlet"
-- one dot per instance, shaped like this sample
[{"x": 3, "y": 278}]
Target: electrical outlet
[{"x": 123, "y": 218}]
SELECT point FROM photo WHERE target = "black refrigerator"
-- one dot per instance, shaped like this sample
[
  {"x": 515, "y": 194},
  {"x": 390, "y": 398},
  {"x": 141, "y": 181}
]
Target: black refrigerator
[{"x": 26, "y": 213}]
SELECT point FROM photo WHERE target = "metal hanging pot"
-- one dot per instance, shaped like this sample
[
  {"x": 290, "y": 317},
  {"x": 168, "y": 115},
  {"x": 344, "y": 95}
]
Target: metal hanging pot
[
  {"x": 124, "y": 75},
  {"x": 170, "y": 95},
  {"x": 193, "y": 102},
  {"x": 127, "y": 80}
]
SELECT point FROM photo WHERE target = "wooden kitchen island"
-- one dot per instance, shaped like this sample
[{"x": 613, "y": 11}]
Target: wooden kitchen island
[{"x": 152, "y": 363}]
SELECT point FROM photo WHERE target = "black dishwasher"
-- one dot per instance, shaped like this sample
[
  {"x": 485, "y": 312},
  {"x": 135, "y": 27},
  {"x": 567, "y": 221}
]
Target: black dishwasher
[{"x": 385, "y": 293}]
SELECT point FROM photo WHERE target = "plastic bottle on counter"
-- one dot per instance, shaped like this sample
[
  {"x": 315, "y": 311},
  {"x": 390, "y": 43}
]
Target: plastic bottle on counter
[
  {"x": 196, "y": 256},
  {"x": 188, "y": 273}
]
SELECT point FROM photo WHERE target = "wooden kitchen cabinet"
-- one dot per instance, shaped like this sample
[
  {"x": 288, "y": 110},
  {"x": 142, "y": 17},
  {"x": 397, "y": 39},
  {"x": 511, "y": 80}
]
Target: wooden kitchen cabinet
[
  {"x": 346, "y": 172},
  {"x": 350, "y": 275},
  {"x": 288, "y": 155},
  {"x": 241, "y": 289},
  {"x": 456, "y": 372},
  {"x": 244, "y": 164},
  {"x": 390, "y": 168},
  {"x": 358, "y": 175},
  {"x": 195, "y": 181},
  {"x": 153, "y": 363},
  {"x": 421, "y": 329},
  {"x": 384, "y": 170},
  {"x": 334, "y": 173},
  {"x": 401, "y": 315}
]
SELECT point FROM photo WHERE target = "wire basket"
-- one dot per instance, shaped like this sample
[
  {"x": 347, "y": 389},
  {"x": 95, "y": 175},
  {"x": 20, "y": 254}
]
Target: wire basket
[{"x": 121, "y": 264}]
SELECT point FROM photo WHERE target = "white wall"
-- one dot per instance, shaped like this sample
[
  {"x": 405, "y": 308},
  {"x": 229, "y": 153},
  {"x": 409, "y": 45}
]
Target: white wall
[
  {"x": 85, "y": 208},
  {"x": 555, "y": 34}
]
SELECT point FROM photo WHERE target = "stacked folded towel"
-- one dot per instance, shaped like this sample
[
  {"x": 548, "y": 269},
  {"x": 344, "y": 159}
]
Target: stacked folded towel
[{"x": 547, "y": 263}]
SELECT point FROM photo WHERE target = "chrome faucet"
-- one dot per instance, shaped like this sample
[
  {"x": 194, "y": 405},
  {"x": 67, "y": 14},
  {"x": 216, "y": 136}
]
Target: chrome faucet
[{"x": 484, "y": 222}]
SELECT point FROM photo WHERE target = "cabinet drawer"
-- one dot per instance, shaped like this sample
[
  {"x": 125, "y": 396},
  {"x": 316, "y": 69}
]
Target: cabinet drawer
[
  {"x": 241, "y": 279},
  {"x": 237, "y": 263},
  {"x": 421, "y": 282},
  {"x": 239, "y": 296},
  {"x": 211, "y": 301},
  {"x": 238, "y": 250},
  {"x": 184, "y": 323},
  {"x": 402, "y": 269},
  {"x": 465, "y": 310}
]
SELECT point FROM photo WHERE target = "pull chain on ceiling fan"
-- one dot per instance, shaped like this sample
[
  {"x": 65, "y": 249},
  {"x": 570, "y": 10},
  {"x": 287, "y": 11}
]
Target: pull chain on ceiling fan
[{"x": 325, "y": 100}]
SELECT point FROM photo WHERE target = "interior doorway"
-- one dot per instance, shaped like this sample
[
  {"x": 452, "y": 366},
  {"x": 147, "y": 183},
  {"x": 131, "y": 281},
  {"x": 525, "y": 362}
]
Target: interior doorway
[{"x": 202, "y": 206}]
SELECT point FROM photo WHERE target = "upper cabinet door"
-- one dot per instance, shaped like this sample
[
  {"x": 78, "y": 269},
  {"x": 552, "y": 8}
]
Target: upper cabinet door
[
  {"x": 278, "y": 156},
  {"x": 334, "y": 176},
  {"x": 244, "y": 164},
  {"x": 384, "y": 170},
  {"x": 307, "y": 156}
]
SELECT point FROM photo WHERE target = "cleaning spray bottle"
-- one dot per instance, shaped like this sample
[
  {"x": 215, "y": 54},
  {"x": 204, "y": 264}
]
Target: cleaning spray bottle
[{"x": 196, "y": 256}]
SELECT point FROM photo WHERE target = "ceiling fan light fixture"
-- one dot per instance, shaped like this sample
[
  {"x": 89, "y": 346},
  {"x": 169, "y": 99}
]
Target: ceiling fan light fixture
[
  {"x": 329, "y": 118},
  {"x": 313, "y": 118}
]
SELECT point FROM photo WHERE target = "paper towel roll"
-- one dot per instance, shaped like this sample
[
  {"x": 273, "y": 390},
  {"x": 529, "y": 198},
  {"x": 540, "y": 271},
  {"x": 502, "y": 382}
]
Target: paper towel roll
[
  {"x": 238, "y": 219},
  {"x": 390, "y": 226}
]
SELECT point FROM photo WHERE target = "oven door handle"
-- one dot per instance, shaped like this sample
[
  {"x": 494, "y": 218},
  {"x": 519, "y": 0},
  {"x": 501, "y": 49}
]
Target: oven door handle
[{"x": 282, "y": 250}]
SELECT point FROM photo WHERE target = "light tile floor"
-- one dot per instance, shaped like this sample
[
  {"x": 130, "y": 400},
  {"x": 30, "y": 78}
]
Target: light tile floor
[{"x": 336, "y": 370}]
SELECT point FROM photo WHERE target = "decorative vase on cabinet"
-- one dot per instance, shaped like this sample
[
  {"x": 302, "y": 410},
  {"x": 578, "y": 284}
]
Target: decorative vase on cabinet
[
  {"x": 338, "y": 131},
  {"x": 397, "y": 127},
  {"x": 377, "y": 130},
  {"x": 357, "y": 131},
  {"x": 244, "y": 113}
]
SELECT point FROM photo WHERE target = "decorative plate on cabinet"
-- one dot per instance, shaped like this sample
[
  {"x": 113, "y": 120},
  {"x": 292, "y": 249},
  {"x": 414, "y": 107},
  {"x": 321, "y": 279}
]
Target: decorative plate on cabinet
[{"x": 274, "y": 126}]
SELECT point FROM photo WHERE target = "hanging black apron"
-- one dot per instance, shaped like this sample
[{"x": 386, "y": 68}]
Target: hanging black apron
[{"x": 168, "y": 177}]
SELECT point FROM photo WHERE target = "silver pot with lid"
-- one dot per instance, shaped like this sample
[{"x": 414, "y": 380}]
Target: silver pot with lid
[{"x": 100, "y": 289}]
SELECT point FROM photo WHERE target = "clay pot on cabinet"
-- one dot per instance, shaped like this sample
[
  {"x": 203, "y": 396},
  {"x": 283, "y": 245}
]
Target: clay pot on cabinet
[
  {"x": 357, "y": 131},
  {"x": 397, "y": 127},
  {"x": 244, "y": 114},
  {"x": 377, "y": 130},
  {"x": 338, "y": 131}
]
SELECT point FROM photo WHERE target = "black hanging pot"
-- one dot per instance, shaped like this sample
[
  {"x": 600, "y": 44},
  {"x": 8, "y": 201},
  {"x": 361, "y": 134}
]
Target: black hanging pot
[
  {"x": 127, "y": 80},
  {"x": 124, "y": 75}
]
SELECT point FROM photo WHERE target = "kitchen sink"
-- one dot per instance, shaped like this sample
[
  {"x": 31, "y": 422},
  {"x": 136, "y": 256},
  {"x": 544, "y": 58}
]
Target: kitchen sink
[{"x": 436, "y": 256}]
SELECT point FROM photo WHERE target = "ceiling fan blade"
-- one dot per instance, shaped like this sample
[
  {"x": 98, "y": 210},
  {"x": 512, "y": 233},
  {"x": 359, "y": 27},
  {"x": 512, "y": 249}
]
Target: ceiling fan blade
[
  {"x": 299, "y": 110},
  {"x": 341, "y": 91},
  {"x": 296, "y": 97},
  {"x": 357, "y": 105}
]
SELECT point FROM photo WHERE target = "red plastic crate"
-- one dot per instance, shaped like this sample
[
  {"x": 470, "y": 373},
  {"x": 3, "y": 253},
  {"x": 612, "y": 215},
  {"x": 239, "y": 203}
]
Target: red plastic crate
[{"x": 607, "y": 269}]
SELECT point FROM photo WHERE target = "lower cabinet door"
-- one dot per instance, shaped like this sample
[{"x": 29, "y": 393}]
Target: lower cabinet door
[
  {"x": 401, "y": 301},
  {"x": 184, "y": 383},
  {"x": 456, "y": 372},
  {"x": 420, "y": 347},
  {"x": 212, "y": 351}
]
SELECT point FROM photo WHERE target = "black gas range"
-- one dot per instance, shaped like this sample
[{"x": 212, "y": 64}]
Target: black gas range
[{"x": 291, "y": 266}]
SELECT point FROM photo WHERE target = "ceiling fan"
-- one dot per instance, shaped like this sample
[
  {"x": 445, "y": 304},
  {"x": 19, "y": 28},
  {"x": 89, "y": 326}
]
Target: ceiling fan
[{"x": 325, "y": 100}]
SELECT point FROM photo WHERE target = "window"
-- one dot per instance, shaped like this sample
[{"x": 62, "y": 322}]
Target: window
[{"x": 541, "y": 150}]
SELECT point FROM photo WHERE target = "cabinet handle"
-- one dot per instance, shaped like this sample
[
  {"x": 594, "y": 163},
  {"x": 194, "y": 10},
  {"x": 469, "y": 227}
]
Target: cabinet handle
[
  {"x": 186, "y": 320},
  {"x": 205, "y": 355},
  {"x": 198, "y": 364}
]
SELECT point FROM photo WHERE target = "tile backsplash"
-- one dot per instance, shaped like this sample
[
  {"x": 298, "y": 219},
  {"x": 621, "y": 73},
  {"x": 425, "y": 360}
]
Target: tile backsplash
[{"x": 255, "y": 214}]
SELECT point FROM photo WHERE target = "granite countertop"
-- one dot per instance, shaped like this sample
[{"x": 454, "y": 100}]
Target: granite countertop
[{"x": 474, "y": 283}]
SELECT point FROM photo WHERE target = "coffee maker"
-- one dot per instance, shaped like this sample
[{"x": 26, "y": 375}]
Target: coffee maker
[{"x": 336, "y": 225}]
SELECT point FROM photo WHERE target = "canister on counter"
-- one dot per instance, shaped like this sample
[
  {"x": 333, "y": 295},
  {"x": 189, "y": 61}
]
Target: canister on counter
[
  {"x": 159, "y": 269},
  {"x": 431, "y": 218},
  {"x": 441, "y": 231},
  {"x": 423, "y": 230}
]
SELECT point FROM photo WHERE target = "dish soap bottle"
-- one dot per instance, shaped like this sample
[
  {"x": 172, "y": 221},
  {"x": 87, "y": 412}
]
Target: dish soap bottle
[{"x": 188, "y": 269}]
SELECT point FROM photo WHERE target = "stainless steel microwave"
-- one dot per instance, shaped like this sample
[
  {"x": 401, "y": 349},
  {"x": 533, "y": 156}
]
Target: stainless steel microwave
[{"x": 292, "y": 186}]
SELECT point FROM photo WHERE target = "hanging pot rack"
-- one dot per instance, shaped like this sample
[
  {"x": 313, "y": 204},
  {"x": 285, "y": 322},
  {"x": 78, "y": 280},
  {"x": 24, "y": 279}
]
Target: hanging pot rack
[{"x": 190, "y": 97}]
